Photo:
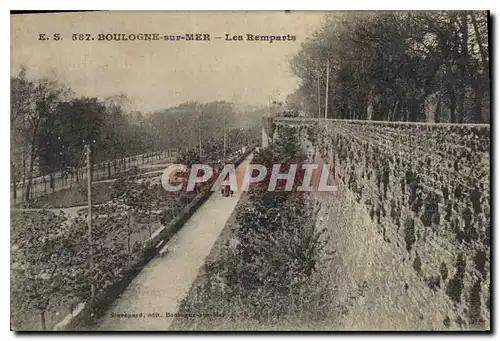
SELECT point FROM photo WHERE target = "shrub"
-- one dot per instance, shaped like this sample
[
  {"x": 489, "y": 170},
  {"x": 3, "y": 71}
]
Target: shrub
[{"x": 410, "y": 237}]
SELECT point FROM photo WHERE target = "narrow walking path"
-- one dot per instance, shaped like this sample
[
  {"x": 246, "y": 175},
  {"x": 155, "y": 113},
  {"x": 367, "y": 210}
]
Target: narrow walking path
[
  {"x": 39, "y": 186},
  {"x": 72, "y": 212},
  {"x": 160, "y": 287}
]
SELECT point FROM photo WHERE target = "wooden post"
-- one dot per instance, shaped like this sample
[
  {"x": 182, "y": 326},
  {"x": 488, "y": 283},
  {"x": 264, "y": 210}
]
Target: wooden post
[
  {"x": 89, "y": 218},
  {"x": 326, "y": 88},
  {"x": 199, "y": 131},
  {"x": 319, "y": 99},
  {"x": 224, "y": 131}
]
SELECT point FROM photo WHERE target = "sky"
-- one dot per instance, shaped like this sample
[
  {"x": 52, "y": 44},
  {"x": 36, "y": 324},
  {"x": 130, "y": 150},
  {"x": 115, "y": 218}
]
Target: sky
[{"x": 160, "y": 74}]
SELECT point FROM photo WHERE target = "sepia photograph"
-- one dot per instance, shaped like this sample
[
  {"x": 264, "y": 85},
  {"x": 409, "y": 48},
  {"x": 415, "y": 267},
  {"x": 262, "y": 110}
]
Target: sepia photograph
[{"x": 324, "y": 171}]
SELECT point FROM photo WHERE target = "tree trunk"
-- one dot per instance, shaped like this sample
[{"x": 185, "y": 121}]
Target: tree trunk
[
  {"x": 453, "y": 104},
  {"x": 437, "y": 117},
  {"x": 479, "y": 43},
  {"x": 415, "y": 111},
  {"x": 453, "y": 118},
  {"x": 14, "y": 182},
  {"x": 129, "y": 252},
  {"x": 478, "y": 104},
  {"x": 42, "y": 320},
  {"x": 482, "y": 83},
  {"x": 369, "y": 111},
  {"x": 395, "y": 112},
  {"x": 464, "y": 29},
  {"x": 30, "y": 177},
  {"x": 23, "y": 183},
  {"x": 460, "y": 106},
  {"x": 129, "y": 234}
]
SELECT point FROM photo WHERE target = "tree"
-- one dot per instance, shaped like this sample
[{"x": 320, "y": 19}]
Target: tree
[
  {"x": 409, "y": 66},
  {"x": 106, "y": 250},
  {"x": 21, "y": 89},
  {"x": 34, "y": 104},
  {"x": 41, "y": 262},
  {"x": 183, "y": 126},
  {"x": 135, "y": 200}
]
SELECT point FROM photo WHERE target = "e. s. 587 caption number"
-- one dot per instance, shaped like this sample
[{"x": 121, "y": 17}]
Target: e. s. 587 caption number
[
  {"x": 57, "y": 36},
  {"x": 81, "y": 36}
]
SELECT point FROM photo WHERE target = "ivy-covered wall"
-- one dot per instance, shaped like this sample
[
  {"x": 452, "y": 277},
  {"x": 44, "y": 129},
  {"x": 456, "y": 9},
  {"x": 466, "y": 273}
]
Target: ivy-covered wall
[{"x": 426, "y": 188}]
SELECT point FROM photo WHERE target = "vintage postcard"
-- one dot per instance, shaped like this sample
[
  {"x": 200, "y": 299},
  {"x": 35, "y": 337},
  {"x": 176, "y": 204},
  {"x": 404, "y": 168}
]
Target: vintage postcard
[{"x": 249, "y": 171}]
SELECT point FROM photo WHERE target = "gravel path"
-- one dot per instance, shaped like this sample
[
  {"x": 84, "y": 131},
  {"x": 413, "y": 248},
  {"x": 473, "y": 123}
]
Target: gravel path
[{"x": 160, "y": 287}]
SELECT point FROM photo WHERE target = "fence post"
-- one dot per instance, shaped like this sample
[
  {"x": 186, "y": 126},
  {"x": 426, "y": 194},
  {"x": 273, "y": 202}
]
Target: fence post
[
  {"x": 52, "y": 183},
  {"x": 14, "y": 193}
]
